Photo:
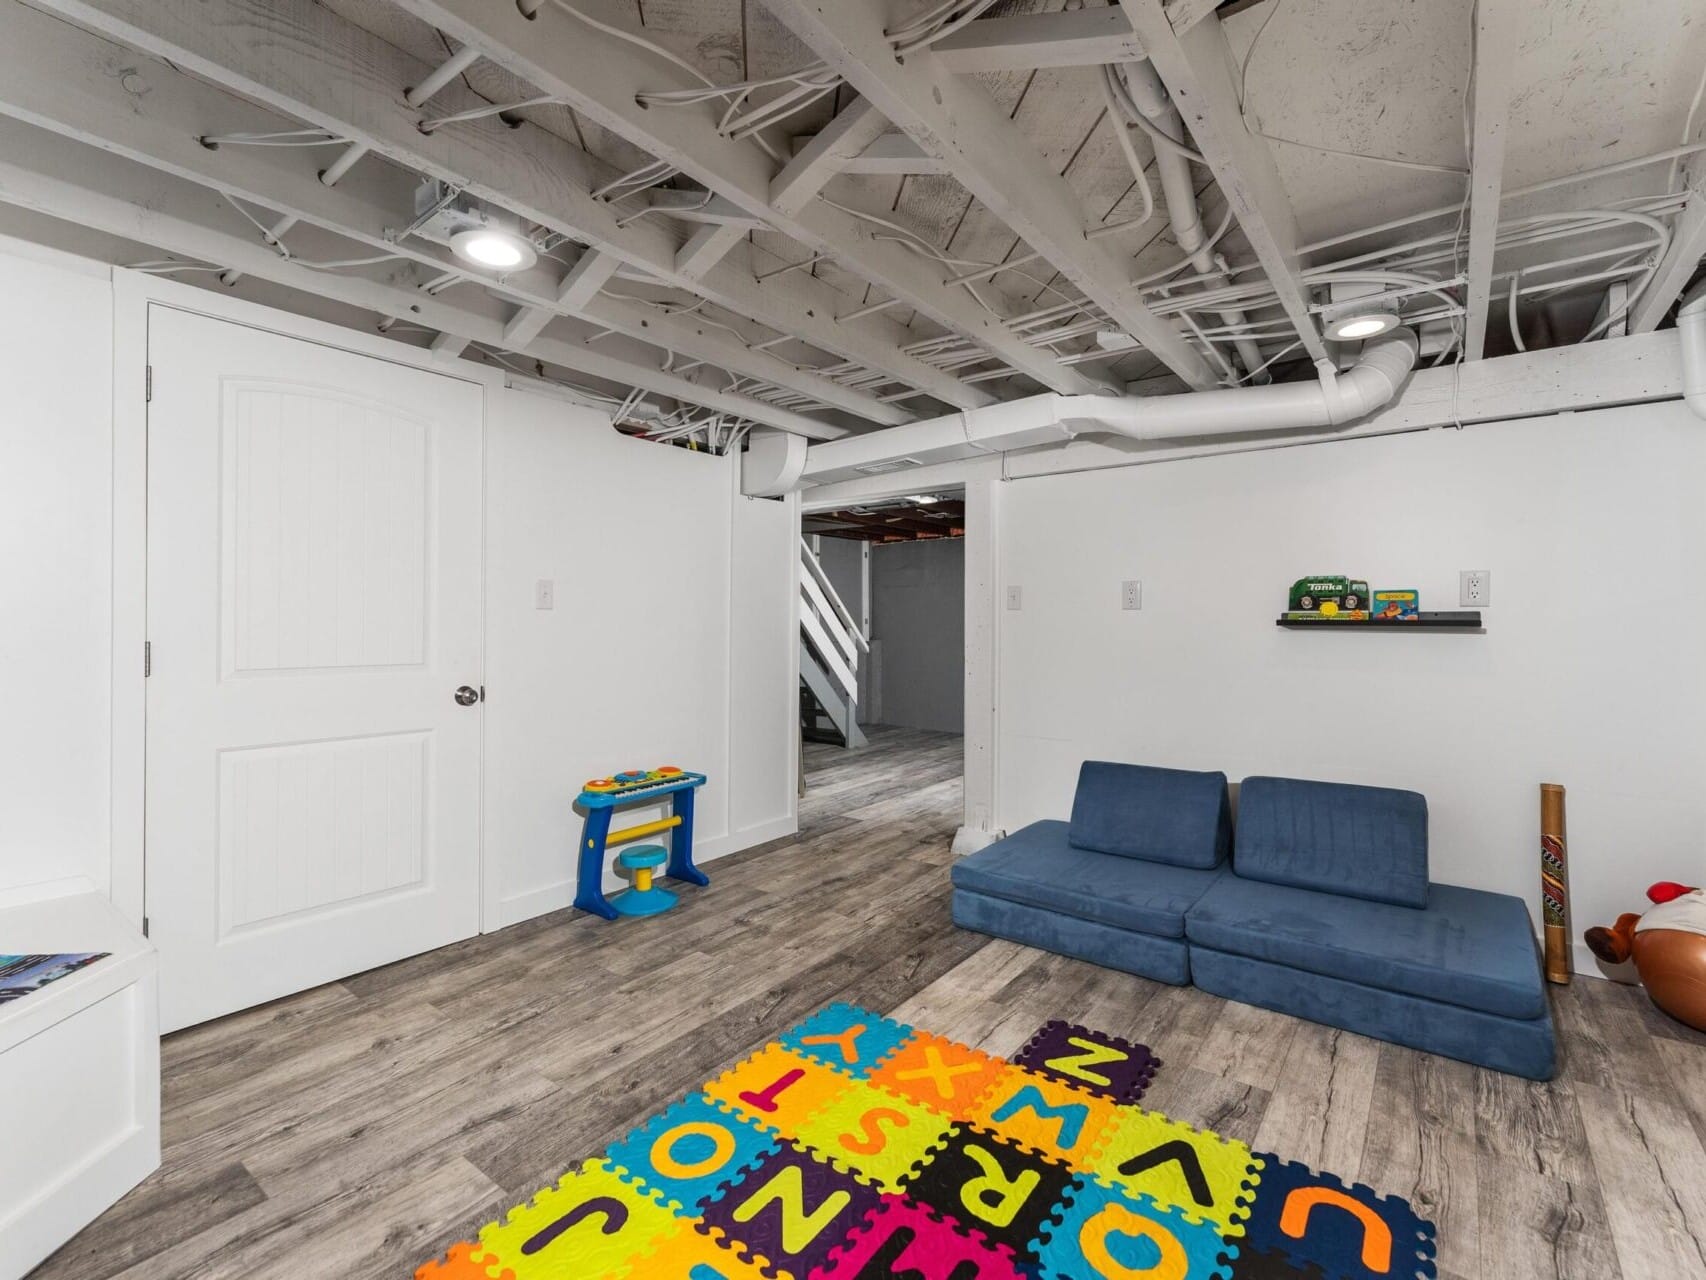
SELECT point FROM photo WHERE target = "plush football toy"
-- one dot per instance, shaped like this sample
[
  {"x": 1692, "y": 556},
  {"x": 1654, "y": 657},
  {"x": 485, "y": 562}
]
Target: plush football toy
[{"x": 1668, "y": 946}]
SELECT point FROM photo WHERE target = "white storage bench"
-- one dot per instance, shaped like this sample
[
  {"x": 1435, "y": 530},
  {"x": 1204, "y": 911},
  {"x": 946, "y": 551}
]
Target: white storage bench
[{"x": 79, "y": 1075}]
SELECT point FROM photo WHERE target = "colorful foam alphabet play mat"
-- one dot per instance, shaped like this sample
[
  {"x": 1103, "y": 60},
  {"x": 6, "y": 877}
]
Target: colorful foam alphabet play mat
[{"x": 856, "y": 1148}]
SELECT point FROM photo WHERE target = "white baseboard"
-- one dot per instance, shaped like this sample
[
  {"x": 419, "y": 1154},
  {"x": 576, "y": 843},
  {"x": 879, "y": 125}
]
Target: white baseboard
[{"x": 561, "y": 893}]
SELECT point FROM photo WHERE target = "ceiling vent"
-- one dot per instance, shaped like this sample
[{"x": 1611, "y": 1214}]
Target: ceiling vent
[{"x": 893, "y": 464}]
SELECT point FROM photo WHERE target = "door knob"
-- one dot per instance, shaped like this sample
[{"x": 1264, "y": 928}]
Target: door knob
[{"x": 467, "y": 696}]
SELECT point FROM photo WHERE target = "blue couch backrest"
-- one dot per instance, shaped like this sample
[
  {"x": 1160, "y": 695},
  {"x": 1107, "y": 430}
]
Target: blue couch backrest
[
  {"x": 1360, "y": 842},
  {"x": 1160, "y": 815}
]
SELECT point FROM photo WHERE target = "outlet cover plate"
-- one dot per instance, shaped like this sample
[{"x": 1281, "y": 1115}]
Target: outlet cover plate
[
  {"x": 1474, "y": 588},
  {"x": 1131, "y": 594}
]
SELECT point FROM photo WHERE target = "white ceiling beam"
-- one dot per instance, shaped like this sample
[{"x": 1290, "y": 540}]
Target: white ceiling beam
[
  {"x": 1682, "y": 259},
  {"x": 707, "y": 247},
  {"x": 598, "y": 75},
  {"x": 955, "y": 119},
  {"x": 1032, "y": 41},
  {"x": 84, "y": 87},
  {"x": 832, "y": 150},
  {"x": 1185, "y": 14},
  {"x": 1497, "y": 30},
  {"x": 1196, "y": 66},
  {"x": 891, "y": 155},
  {"x": 448, "y": 347},
  {"x": 84, "y": 186},
  {"x": 299, "y": 58}
]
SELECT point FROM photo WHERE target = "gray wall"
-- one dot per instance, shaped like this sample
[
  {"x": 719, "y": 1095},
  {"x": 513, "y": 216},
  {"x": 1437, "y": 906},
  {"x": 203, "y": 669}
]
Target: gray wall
[{"x": 918, "y": 620}]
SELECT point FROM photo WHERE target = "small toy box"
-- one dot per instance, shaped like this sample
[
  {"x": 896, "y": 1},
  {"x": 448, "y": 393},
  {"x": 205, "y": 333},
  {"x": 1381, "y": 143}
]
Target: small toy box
[{"x": 1398, "y": 606}]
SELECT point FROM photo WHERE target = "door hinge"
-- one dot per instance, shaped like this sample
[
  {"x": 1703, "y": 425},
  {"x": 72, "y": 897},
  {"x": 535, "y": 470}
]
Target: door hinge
[
  {"x": 147, "y": 658},
  {"x": 144, "y": 926},
  {"x": 148, "y": 386},
  {"x": 482, "y": 693}
]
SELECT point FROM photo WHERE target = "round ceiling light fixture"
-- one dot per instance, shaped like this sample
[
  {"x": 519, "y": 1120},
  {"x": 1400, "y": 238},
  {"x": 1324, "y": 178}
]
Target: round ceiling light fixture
[
  {"x": 494, "y": 247},
  {"x": 1355, "y": 326}
]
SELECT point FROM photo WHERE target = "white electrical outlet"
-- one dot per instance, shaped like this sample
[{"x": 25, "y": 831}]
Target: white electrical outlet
[
  {"x": 1013, "y": 598},
  {"x": 544, "y": 594},
  {"x": 1474, "y": 588},
  {"x": 1131, "y": 595}
]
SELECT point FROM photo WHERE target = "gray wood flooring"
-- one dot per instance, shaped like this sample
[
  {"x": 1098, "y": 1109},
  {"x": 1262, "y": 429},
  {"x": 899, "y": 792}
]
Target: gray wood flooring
[{"x": 358, "y": 1129}]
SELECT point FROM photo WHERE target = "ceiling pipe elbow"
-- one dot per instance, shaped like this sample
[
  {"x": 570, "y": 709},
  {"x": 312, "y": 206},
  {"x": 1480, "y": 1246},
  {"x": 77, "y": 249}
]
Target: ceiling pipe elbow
[
  {"x": 1691, "y": 328},
  {"x": 1371, "y": 382}
]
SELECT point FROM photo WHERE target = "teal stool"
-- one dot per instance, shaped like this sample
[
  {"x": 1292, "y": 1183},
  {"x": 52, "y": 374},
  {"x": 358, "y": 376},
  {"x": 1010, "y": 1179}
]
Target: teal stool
[{"x": 645, "y": 898}]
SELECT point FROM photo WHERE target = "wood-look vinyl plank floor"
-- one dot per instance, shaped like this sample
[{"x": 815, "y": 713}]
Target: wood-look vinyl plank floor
[{"x": 353, "y": 1131}]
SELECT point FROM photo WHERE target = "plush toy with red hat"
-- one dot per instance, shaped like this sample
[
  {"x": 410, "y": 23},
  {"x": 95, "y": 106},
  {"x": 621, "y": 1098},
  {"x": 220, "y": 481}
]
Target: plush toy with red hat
[{"x": 1668, "y": 946}]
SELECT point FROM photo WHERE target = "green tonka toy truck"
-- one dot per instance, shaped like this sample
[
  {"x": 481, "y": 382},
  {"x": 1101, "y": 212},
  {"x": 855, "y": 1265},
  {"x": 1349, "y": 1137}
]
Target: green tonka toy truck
[{"x": 1309, "y": 595}]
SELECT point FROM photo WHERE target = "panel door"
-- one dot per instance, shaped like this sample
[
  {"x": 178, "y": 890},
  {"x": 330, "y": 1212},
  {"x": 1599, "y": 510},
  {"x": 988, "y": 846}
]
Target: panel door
[{"x": 314, "y": 606}]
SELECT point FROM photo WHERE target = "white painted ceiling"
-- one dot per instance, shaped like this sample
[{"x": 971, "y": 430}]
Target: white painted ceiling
[{"x": 1362, "y": 105}]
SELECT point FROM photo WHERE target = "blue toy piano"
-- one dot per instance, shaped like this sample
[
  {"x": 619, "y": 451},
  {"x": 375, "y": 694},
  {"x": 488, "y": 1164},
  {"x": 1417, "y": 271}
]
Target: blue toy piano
[{"x": 601, "y": 798}]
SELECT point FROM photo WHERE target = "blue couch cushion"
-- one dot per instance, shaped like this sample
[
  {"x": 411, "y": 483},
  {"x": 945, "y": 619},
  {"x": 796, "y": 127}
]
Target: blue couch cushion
[
  {"x": 1363, "y": 842},
  {"x": 1469, "y": 947},
  {"x": 1164, "y": 959},
  {"x": 1038, "y": 867},
  {"x": 1522, "y": 1046},
  {"x": 1159, "y": 815}
]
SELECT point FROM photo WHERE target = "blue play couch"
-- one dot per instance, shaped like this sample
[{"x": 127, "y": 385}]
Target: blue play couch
[{"x": 1319, "y": 906}]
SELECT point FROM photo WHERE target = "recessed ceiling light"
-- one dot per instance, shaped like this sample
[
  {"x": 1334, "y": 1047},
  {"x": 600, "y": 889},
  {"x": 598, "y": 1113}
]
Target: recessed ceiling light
[
  {"x": 923, "y": 499},
  {"x": 493, "y": 247},
  {"x": 1353, "y": 326}
]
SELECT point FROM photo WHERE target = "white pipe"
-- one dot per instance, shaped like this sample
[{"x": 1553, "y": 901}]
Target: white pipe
[
  {"x": 1282, "y": 406},
  {"x": 1178, "y": 190},
  {"x": 442, "y": 75},
  {"x": 1054, "y": 419},
  {"x": 1691, "y": 325}
]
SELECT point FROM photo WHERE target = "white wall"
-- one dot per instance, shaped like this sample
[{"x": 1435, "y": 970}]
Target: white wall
[
  {"x": 918, "y": 619},
  {"x": 673, "y": 597},
  {"x": 55, "y": 567},
  {"x": 672, "y": 640},
  {"x": 1592, "y": 670}
]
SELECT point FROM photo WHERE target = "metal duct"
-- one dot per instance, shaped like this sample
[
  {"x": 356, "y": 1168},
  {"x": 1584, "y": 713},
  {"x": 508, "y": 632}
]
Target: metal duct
[
  {"x": 1691, "y": 327},
  {"x": 1376, "y": 377}
]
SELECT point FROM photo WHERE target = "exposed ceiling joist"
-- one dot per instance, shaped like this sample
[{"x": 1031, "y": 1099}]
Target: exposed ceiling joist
[
  {"x": 301, "y": 59},
  {"x": 1498, "y": 26},
  {"x": 1682, "y": 259},
  {"x": 84, "y": 87},
  {"x": 852, "y": 133},
  {"x": 956, "y": 120},
  {"x": 1196, "y": 66},
  {"x": 42, "y": 172},
  {"x": 1032, "y": 41},
  {"x": 598, "y": 74}
]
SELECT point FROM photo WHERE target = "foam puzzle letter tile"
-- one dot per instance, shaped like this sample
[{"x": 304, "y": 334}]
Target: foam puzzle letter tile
[
  {"x": 938, "y": 1073},
  {"x": 880, "y": 1135},
  {"x": 1117, "y": 1068},
  {"x": 791, "y": 1210},
  {"x": 847, "y": 1038},
  {"x": 994, "y": 1186},
  {"x": 590, "y": 1226},
  {"x": 1104, "y": 1233},
  {"x": 777, "y": 1089},
  {"x": 693, "y": 1255},
  {"x": 1038, "y": 1111},
  {"x": 467, "y": 1261},
  {"x": 1200, "y": 1173},
  {"x": 914, "y": 1241},
  {"x": 1251, "y": 1265},
  {"x": 686, "y": 1153},
  {"x": 1351, "y": 1233}
]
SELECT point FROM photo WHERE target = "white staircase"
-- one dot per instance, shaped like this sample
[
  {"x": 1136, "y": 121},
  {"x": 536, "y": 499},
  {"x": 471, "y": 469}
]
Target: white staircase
[{"x": 830, "y": 644}]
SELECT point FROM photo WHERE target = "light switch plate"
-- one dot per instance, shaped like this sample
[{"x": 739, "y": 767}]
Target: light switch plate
[
  {"x": 1014, "y": 598},
  {"x": 545, "y": 594}
]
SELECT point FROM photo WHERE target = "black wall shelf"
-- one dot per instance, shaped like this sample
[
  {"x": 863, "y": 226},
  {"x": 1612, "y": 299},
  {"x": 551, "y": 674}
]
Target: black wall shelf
[{"x": 1454, "y": 620}]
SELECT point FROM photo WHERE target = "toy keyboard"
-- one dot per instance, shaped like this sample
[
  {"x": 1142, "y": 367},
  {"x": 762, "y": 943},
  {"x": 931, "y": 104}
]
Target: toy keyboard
[{"x": 634, "y": 784}]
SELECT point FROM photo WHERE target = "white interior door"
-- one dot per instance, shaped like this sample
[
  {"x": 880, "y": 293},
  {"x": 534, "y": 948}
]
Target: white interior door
[{"x": 314, "y": 604}]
